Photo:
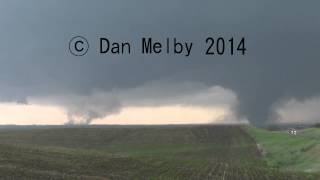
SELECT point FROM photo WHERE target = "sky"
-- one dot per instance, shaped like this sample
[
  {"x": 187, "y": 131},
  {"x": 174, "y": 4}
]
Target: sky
[{"x": 41, "y": 82}]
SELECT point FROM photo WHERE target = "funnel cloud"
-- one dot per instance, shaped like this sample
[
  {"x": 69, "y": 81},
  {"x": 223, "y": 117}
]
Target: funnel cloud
[{"x": 281, "y": 63}]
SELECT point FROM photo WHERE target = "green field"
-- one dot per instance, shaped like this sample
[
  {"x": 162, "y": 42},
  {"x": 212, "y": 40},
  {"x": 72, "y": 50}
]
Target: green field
[
  {"x": 144, "y": 152},
  {"x": 288, "y": 152}
]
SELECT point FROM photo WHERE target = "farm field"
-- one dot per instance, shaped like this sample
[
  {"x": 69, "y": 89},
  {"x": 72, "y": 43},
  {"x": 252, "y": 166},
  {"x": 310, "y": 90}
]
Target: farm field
[
  {"x": 139, "y": 152},
  {"x": 288, "y": 152}
]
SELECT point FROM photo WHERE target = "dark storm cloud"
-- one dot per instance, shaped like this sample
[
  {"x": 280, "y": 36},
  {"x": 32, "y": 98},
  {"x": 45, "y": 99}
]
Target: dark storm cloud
[{"x": 282, "y": 60}]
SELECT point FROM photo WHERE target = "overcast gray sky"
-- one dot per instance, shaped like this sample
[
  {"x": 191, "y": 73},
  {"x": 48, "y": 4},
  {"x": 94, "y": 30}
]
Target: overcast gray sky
[{"x": 282, "y": 60}]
